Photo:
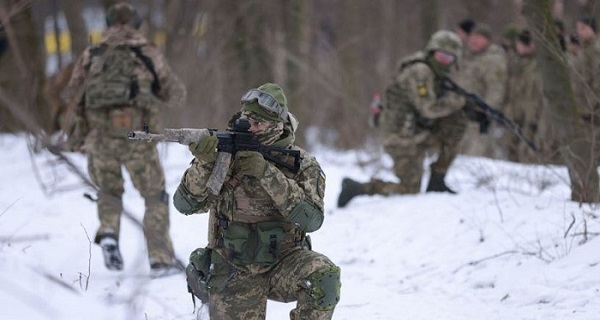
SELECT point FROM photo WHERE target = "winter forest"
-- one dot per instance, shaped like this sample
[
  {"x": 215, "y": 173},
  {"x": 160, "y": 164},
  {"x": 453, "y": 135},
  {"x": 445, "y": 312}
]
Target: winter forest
[{"x": 518, "y": 241}]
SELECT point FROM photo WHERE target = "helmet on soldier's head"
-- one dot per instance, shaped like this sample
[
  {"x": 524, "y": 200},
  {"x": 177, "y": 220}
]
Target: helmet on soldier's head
[
  {"x": 447, "y": 41},
  {"x": 122, "y": 14},
  {"x": 268, "y": 101}
]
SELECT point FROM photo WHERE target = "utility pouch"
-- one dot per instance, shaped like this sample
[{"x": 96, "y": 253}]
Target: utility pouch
[
  {"x": 270, "y": 238},
  {"x": 123, "y": 120},
  {"x": 257, "y": 243},
  {"x": 198, "y": 273},
  {"x": 240, "y": 242}
]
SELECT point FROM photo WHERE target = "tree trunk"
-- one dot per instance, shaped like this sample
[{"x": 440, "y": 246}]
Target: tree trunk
[
  {"x": 576, "y": 150},
  {"x": 21, "y": 69},
  {"x": 429, "y": 19},
  {"x": 77, "y": 28}
]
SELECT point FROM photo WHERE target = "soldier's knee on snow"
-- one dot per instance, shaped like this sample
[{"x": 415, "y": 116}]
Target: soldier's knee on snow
[{"x": 324, "y": 288}]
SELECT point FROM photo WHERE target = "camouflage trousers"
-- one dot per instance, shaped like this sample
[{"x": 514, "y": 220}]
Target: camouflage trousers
[
  {"x": 106, "y": 156},
  {"x": 242, "y": 295},
  {"x": 445, "y": 136}
]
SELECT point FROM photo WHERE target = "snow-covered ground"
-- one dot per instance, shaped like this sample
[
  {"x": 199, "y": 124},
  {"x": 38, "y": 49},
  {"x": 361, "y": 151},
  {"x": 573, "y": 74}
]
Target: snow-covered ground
[{"x": 509, "y": 246}]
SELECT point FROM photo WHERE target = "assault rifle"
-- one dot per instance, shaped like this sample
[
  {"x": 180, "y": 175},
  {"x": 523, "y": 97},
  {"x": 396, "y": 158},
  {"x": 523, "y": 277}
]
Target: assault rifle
[
  {"x": 230, "y": 141},
  {"x": 479, "y": 110}
]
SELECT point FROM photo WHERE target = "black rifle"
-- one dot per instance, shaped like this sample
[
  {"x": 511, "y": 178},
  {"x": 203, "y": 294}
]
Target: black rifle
[
  {"x": 230, "y": 141},
  {"x": 480, "y": 111}
]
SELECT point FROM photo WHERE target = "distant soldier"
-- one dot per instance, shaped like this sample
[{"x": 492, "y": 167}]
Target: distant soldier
[
  {"x": 119, "y": 85},
  {"x": 258, "y": 247},
  {"x": 463, "y": 29},
  {"x": 525, "y": 99},
  {"x": 419, "y": 116},
  {"x": 485, "y": 75},
  {"x": 586, "y": 79}
]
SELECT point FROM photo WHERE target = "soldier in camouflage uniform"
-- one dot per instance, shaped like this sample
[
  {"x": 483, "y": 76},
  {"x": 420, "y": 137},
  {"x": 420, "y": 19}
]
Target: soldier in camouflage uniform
[
  {"x": 419, "y": 115},
  {"x": 586, "y": 85},
  {"x": 485, "y": 75},
  {"x": 257, "y": 245},
  {"x": 524, "y": 100},
  {"x": 103, "y": 117}
]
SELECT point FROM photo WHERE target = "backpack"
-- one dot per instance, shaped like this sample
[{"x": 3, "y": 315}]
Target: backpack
[{"x": 113, "y": 81}]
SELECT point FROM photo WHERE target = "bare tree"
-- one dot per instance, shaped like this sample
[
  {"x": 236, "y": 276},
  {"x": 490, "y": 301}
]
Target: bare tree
[
  {"x": 576, "y": 150},
  {"x": 21, "y": 68}
]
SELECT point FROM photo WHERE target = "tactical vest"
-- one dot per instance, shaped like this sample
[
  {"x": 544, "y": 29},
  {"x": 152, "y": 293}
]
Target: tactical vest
[
  {"x": 113, "y": 80},
  {"x": 405, "y": 115}
]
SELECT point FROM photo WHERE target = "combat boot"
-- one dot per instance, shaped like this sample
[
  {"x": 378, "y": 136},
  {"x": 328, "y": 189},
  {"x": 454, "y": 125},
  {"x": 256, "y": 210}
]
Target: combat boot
[
  {"x": 112, "y": 255},
  {"x": 437, "y": 184},
  {"x": 350, "y": 189}
]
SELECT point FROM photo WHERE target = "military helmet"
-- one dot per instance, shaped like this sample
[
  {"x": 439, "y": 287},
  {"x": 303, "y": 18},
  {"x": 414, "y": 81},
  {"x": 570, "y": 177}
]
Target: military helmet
[
  {"x": 446, "y": 41},
  {"x": 268, "y": 101},
  {"x": 123, "y": 13}
]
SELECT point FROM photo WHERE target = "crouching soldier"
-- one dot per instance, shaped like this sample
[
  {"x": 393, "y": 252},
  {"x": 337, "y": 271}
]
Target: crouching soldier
[{"x": 258, "y": 247}]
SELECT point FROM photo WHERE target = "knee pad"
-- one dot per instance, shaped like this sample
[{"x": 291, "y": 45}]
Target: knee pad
[{"x": 324, "y": 288}]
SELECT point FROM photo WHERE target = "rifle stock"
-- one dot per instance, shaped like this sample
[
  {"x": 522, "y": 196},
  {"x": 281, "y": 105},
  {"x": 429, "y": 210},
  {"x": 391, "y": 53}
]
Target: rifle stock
[
  {"x": 474, "y": 101},
  {"x": 231, "y": 141}
]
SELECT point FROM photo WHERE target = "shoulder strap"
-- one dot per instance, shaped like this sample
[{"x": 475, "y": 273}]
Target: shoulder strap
[
  {"x": 411, "y": 62},
  {"x": 150, "y": 66}
]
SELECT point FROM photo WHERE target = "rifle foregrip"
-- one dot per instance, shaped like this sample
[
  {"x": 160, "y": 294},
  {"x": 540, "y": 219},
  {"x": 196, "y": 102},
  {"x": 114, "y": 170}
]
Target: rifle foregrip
[{"x": 219, "y": 173}]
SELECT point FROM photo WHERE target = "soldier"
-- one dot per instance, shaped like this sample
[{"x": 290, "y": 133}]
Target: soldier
[
  {"x": 119, "y": 85},
  {"x": 418, "y": 116},
  {"x": 485, "y": 75},
  {"x": 257, "y": 245},
  {"x": 586, "y": 83},
  {"x": 525, "y": 101}
]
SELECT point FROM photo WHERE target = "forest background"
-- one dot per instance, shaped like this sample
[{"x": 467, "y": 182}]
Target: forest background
[{"x": 329, "y": 55}]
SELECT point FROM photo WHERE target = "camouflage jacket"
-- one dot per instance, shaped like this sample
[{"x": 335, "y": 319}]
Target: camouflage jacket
[
  {"x": 414, "y": 100},
  {"x": 525, "y": 97},
  {"x": 586, "y": 80},
  {"x": 250, "y": 200},
  {"x": 484, "y": 73},
  {"x": 172, "y": 91}
]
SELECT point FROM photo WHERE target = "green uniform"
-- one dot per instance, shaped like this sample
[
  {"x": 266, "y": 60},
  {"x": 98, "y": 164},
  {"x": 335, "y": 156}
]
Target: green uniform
[
  {"x": 103, "y": 131},
  {"x": 256, "y": 250},
  {"x": 418, "y": 117}
]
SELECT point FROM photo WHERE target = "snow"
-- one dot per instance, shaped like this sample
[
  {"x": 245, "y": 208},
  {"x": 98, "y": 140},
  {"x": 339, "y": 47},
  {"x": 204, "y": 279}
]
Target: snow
[{"x": 509, "y": 245}]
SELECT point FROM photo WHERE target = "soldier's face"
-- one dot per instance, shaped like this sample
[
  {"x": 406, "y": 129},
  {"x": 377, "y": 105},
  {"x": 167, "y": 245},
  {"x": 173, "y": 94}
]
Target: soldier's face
[
  {"x": 258, "y": 125},
  {"x": 478, "y": 42},
  {"x": 584, "y": 32},
  {"x": 444, "y": 58}
]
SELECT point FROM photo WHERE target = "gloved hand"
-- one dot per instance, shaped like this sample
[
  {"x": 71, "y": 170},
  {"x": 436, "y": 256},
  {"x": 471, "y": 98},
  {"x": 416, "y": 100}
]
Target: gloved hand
[
  {"x": 250, "y": 163},
  {"x": 205, "y": 149},
  {"x": 479, "y": 117}
]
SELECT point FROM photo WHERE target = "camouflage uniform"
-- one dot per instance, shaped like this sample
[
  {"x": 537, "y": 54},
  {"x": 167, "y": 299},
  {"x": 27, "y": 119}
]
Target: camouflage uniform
[
  {"x": 586, "y": 86},
  {"x": 242, "y": 275},
  {"x": 103, "y": 132},
  {"x": 524, "y": 105},
  {"x": 484, "y": 74},
  {"x": 418, "y": 116}
]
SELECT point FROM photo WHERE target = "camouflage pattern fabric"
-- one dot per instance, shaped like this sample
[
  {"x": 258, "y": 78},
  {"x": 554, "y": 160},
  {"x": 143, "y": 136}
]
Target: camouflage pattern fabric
[
  {"x": 141, "y": 161},
  {"x": 484, "y": 73},
  {"x": 524, "y": 105},
  {"x": 103, "y": 132},
  {"x": 418, "y": 118},
  {"x": 238, "y": 290}
]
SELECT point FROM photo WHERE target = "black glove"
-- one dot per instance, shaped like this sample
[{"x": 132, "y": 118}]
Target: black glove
[{"x": 480, "y": 117}]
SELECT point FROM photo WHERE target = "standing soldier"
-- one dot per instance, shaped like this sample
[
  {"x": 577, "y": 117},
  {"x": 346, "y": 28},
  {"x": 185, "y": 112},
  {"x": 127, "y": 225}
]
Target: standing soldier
[
  {"x": 525, "y": 101},
  {"x": 257, "y": 247},
  {"x": 119, "y": 86},
  {"x": 586, "y": 83},
  {"x": 419, "y": 115},
  {"x": 484, "y": 74}
]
